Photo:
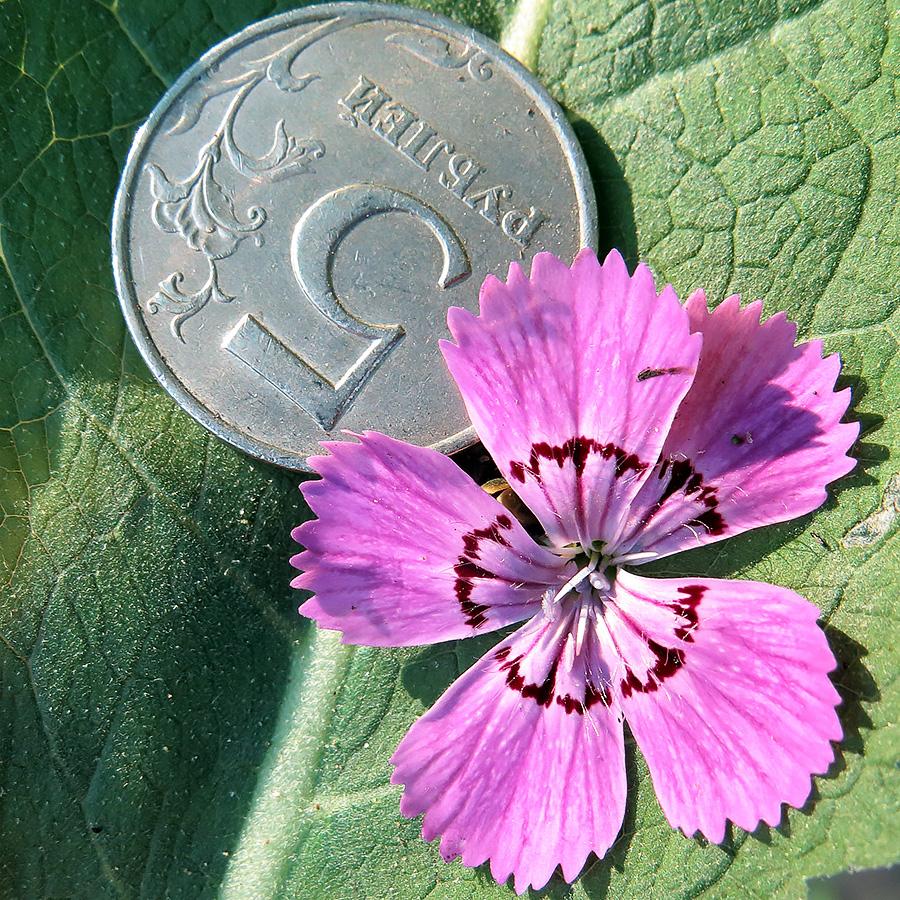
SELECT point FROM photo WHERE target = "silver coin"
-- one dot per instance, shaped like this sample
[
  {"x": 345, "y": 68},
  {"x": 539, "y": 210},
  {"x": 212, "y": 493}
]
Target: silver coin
[{"x": 309, "y": 198}]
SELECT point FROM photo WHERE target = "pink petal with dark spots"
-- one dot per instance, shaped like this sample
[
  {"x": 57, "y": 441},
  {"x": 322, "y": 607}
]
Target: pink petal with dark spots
[
  {"x": 725, "y": 687},
  {"x": 521, "y": 761},
  {"x": 571, "y": 379},
  {"x": 756, "y": 439},
  {"x": 407, "y": 549}
]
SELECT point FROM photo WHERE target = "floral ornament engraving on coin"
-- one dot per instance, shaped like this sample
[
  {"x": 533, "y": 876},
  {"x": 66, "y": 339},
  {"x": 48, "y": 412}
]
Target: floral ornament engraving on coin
[
  {"x": 200, "y": 208},
  {"x": 435, "y": 49},
  {"x": 611, "y": 412}
]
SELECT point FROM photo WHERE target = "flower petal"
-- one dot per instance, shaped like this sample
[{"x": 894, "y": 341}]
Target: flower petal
[
  {"x": 521, "y": 761},
  {"x": 407, "y": 549},
  {"x": 756, "y": 439},
  {"x": 725, "y": 687},
  {"x": 571, "y": 379}
]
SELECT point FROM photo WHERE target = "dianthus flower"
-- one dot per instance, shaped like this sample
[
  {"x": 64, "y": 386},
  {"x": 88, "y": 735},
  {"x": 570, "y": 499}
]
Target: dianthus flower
[{"x": 632, "y": 428}]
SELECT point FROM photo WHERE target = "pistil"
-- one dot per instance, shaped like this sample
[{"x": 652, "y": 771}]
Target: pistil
[
  {"x": 590, "y": 579},
  {"x": 551, "y": 604}
]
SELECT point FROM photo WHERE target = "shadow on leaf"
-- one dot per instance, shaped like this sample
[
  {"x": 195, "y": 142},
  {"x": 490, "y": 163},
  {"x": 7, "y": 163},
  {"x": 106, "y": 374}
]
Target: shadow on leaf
[
  {"x": 868, "y": 454},
  {"x": 856, "y": 686},
  {"x": 615, "y": 207}
]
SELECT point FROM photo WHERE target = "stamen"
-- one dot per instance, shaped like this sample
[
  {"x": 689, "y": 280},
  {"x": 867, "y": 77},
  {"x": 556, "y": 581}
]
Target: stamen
[
  {"x": 577, "y": 578},
  {"x": 569, "y": 652},
  {"x": 581, "y": 627},
  {"x": 639, "y": 556},
  {"x": 600, "y": 580}
]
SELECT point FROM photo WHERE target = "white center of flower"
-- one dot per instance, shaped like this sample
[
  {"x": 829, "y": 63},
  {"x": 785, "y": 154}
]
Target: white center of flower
[{"x": 591, "y": 584}]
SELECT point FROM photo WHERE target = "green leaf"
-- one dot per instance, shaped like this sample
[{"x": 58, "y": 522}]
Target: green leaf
[{"x": 171, "y": 728}]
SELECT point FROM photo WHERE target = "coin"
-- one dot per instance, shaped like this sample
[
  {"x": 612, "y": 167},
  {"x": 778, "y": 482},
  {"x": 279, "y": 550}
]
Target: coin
[{"x": 308, "y": 199}]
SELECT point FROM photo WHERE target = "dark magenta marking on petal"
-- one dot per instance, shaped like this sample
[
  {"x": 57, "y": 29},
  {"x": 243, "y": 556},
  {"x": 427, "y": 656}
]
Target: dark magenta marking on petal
[
  {"x": 466, "y": 569},
  {"x": 693, "y": 484},
  {"x": 578, "y": 450},
  {"x": 470, "y": 544},
  {"x": 682, "y": 476},
  {"x": 711, "y": 520},
  {"x": 592, "y": 695},
  {"x": 687, "y": 609},
  {"x": 473, "y": 539},
  {"x": 570, "y": 704},
  {"x": 678, "y": 478},
  {"x": 668, "y": 659},
  {"x": 544, "y": 693}
]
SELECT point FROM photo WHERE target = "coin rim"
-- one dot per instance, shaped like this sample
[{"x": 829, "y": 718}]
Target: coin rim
[{"x": 121, "y": 258}]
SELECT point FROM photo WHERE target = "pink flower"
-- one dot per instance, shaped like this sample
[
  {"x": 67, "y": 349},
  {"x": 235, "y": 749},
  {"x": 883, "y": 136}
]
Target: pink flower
[{"x": 633, "y": 428}]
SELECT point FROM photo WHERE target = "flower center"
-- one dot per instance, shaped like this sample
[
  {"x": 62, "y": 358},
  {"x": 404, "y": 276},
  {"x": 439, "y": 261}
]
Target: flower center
[{"x": 588, "y": 589}]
